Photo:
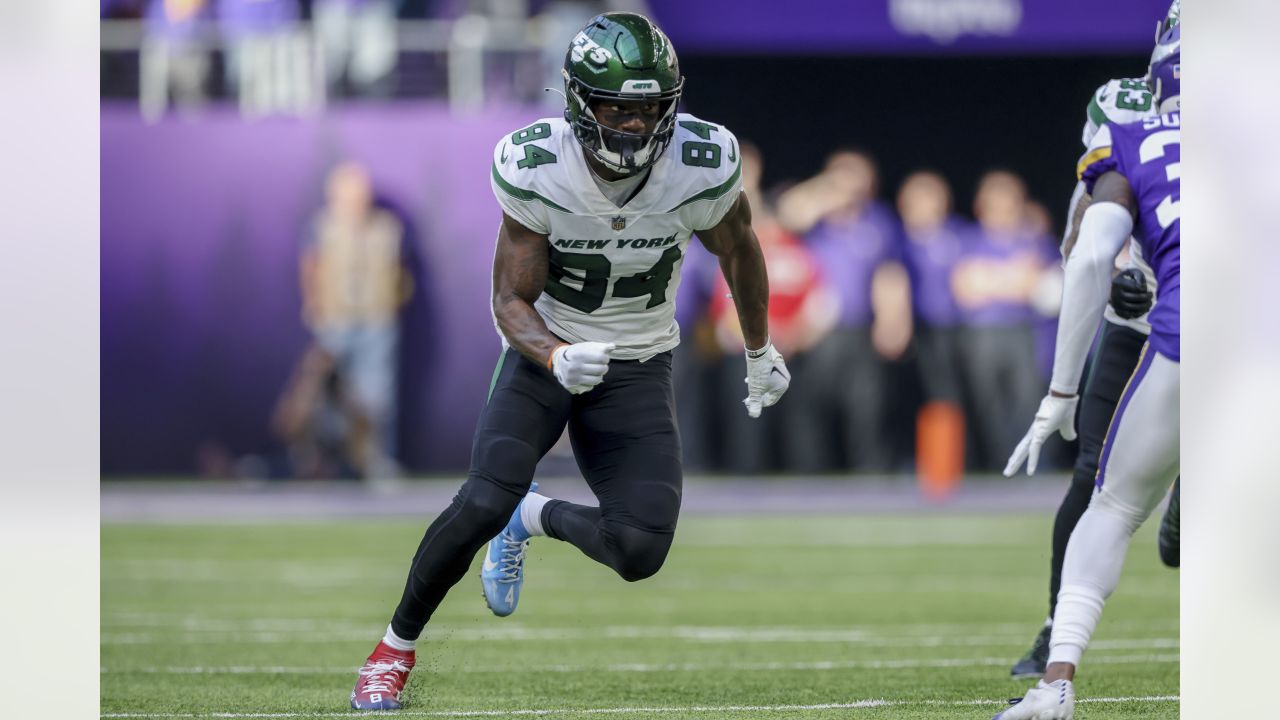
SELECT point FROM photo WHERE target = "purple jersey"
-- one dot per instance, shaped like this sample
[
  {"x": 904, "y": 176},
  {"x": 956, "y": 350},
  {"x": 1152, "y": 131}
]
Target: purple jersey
[
  {"x": 1003, "y": 246},
  {"x": 1148, "y": 154},
  {"x": 930, "y": 257},
  {"x": 849, "y": 251}
]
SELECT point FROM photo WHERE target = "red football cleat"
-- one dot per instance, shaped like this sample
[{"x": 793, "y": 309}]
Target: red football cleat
[{"x": 382, "y": 679}]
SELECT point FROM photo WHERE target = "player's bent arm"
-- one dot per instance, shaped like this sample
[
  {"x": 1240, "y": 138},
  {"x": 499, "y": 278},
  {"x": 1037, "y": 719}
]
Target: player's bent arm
[
  {"x": 734, "y": 242},
  {"x": 1104, "y": 230},
  {"x": 519, "y": 275}
]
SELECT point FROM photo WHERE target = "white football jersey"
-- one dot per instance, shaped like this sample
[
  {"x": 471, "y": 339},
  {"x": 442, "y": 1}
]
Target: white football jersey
[
  {"x": 1123, "y": 100},
  {"x": 614, "y": 271}
]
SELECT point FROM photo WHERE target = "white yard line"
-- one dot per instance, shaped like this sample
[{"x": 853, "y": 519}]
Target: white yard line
[
  {"x": 134, "y": 619},
  {"x": 690, "y": 709},
  {"x": 196, "y": 633},
  {"x": 901, "y": 664}
]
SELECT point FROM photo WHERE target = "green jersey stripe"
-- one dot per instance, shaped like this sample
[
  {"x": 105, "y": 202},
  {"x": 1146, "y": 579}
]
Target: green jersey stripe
[
  {"x": 1096, "y": 113},
  {"x": 522, "y": 194},
  {"x": 715, "y": 192},
  {"x": 497, "y": 370}
]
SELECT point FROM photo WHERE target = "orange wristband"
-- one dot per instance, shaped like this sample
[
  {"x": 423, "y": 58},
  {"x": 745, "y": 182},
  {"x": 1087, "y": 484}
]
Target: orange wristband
[{"x": 552, "y": 356}]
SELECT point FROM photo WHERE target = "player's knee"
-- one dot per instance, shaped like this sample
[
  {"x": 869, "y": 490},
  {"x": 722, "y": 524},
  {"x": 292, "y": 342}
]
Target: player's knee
[
  {"x": 634, "y": 568},
  {"x": 485, "y": 504},
  {"x": 639, "y": 553},
  {"x": 1132, "y": 515},
  {"x": 653, "y": 504}
]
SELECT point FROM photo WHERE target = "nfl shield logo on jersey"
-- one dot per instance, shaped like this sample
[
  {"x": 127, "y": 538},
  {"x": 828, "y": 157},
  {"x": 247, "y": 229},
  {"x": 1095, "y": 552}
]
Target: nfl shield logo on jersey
[{"x": 618, "y": 223}]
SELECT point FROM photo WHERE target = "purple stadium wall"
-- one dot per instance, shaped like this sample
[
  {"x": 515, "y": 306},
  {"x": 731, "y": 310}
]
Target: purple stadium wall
[{"x": 202, "y": 221}]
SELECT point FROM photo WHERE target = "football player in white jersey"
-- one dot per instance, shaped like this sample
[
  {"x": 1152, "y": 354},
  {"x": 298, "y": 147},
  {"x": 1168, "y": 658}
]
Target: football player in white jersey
[
  {"x": 1123, "y": 334},
  {"x": 598, "y": 208}
]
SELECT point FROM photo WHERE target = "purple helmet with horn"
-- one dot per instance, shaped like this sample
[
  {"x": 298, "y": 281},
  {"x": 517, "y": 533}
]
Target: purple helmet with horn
[{"x": 1164, "y": 75}]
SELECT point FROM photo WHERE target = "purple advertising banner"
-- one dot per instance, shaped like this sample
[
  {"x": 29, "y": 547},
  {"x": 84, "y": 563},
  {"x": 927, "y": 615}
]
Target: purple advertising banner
[
  {"x": 202, "y": 223},
  {"x": 911, "y": 26}
]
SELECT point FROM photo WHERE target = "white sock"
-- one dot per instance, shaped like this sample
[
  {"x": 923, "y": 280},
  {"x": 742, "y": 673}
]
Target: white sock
[
  {"x": 397, "y": 642},
  {"x": 531, "y": 513},
  {"x": 1090, "y": 573}
]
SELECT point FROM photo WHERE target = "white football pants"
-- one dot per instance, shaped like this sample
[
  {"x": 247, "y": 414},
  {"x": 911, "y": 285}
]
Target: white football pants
[{"x": 1139, "y": 460}]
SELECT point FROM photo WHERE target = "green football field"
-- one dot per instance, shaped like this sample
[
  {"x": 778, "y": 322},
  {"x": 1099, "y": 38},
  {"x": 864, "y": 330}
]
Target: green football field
[{"x": 891, "y": 616}]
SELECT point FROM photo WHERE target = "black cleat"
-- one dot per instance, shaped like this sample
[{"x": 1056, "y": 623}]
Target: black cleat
[
  {"x": 1169, "y": 538},
  {"x": 1033, "y": 663}
]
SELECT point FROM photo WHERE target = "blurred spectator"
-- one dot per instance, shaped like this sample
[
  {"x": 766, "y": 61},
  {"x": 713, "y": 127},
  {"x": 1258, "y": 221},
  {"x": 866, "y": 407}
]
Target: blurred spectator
[
  {"x": 353, "y": 285},
  {"x": 175, "y": 58},
  {"x": 802, "y": 310},
  {"x": 268, "y": 57},
  {"x": 1046, "y": 296},
  {"x": 358, "y": 44},
  {"x": 934, "y": 239},
  {"x": 325, "y": 430},
  {"x": 853, "y": 238},
  {"x": 696, "y": 365},
  {"x": 1003, "y": 264}
]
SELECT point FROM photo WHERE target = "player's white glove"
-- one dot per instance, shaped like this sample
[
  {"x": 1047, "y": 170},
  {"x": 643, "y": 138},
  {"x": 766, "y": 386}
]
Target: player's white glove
[
  {"x": 581, "y": 366},
  {"x": 1055, "y": 413},
  {"x": 767, "y": 378}
]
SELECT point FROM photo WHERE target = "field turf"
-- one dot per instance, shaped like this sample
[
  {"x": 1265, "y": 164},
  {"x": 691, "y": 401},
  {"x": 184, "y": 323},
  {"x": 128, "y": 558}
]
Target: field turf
[{"x": 816, "y": 617}]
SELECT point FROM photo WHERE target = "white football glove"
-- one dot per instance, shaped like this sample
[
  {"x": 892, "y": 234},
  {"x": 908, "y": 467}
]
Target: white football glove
[
  {"x": 581, "y": 366},
  {"x": 767, "y": 378},
  {"x": 1055, "y": 413}
]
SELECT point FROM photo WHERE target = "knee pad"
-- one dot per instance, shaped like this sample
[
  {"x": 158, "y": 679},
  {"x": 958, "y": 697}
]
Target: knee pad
[
  {"x": 1132, "y": 515},
  {"x": 638, "y": 554},
  {"x": 485, "y": 505},
  {"x": 650, "y": 501}
]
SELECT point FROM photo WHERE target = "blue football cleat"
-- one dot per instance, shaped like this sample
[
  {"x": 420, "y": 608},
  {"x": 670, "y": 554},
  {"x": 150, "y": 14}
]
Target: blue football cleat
[{"x": 503, "y": 571}]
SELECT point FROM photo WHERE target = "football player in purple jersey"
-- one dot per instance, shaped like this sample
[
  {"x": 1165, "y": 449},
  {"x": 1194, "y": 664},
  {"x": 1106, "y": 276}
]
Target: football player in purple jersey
[
  {"x": 1121, "y": 337},
  {"x": 1133, "y": 173}
]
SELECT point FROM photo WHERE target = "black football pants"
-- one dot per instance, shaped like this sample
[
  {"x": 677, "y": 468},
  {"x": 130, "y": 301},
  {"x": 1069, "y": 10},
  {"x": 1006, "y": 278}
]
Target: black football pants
[
  {"x": 625, "y": 440},
  {"x": 1117, "y": 356}
]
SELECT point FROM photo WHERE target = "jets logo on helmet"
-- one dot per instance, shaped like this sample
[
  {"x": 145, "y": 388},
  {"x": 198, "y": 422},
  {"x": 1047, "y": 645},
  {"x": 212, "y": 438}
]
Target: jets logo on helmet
[
  {"x": 584, "y": 48},
  {"x": 621, "y": 57}
]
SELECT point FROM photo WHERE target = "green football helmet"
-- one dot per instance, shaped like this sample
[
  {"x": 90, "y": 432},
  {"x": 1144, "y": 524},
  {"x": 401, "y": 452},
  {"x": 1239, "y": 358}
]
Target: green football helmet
[{"x": 621, "y": 56}]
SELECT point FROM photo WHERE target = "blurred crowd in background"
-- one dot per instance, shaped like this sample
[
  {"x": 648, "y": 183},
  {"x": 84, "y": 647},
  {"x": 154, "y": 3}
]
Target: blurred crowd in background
[
  {"x": 916, "y": 336},
  {"x": 292, "y": 56},
  {"x": 918, "y": 321},
  {"x": 900, "y": 318}
]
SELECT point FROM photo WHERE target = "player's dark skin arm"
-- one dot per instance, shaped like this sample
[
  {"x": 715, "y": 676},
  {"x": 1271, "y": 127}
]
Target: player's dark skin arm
[
  {"x": 1111, "y": 187},
  {"x": 519, "y": 275},
  {"x": 734, "y": 243}
]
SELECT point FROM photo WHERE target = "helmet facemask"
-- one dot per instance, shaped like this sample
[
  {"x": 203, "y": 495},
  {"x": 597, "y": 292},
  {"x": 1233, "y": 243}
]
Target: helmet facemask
[
  {"x": 618, "y": 150},
  {"x": 621, "y": 57}
]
